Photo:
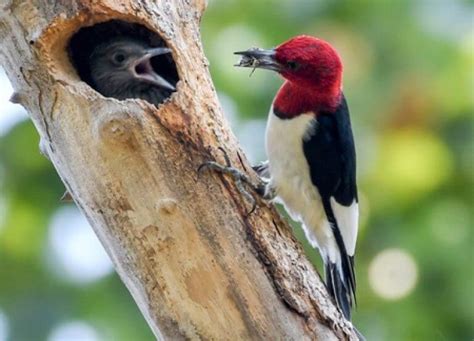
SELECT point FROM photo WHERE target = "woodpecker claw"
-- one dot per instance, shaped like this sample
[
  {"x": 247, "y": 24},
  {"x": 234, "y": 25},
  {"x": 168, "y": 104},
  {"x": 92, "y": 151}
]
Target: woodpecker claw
[
  {"x": 226, "y": 156},
  {"x": 240, "y": 178}
]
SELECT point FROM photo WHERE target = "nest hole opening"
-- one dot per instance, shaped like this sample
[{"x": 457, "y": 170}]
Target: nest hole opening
[{"x": 124, "y": 60}]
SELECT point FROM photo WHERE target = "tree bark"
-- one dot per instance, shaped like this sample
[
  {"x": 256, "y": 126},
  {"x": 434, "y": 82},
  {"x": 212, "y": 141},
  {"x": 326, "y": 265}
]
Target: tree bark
[{"x": 195, "y": 264}]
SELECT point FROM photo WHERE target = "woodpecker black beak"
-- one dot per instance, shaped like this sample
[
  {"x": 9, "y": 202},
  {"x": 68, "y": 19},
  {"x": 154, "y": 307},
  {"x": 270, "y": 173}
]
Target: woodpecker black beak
[
  {"x": 143, "y": 70},
  {"x": 259, "y": 58}
]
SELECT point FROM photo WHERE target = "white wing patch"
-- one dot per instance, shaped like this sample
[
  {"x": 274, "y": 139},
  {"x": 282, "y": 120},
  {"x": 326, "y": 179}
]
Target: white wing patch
[{"x": 347, "y": 218}]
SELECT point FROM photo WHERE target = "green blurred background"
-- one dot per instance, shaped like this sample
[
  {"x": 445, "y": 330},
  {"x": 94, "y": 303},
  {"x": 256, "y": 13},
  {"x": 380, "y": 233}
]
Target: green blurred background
[{"x": 409, "y": 81}]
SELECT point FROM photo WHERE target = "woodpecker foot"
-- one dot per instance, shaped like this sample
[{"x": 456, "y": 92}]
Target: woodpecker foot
[{"x": 241, "y": 179}]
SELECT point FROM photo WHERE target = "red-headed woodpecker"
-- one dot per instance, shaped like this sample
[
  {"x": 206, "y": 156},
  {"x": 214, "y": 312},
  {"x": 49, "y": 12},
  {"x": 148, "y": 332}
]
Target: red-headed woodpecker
[{"x": 311, "y": 165}]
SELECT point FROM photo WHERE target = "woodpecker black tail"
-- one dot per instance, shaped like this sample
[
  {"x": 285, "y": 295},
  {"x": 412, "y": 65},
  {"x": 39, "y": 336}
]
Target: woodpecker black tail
[
  {"x": 340, "y": 278},
  {"x": 338, "y": 289}
]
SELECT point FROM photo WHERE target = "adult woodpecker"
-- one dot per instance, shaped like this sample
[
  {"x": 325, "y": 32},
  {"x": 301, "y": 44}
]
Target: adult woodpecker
[
  {"x": 122, "y": 68},
  {"x": 311, "y": 164}
]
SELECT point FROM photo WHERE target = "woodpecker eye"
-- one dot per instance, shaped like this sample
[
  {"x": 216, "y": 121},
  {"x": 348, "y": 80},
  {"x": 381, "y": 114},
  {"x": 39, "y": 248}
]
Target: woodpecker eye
[
  {"x": 118, "y": 58},
  {"x": 292, "y": 65}
]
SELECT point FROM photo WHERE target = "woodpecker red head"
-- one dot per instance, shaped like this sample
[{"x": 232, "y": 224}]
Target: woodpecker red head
[
  {"x": 311, "y": 154},
  {"x": 310, "y": 64}
]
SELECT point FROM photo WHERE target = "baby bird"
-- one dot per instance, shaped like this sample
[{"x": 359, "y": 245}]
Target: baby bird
[{"x": 122, "y": 68}]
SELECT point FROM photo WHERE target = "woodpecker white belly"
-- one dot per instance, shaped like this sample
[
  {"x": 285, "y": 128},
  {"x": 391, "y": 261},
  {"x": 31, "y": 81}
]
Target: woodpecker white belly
[{"x": 291, "y": 180}]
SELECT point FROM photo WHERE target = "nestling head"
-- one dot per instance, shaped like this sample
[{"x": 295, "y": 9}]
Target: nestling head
[
  {"x": 303, "y": 60},
  {"x": 123, "y": 66}
]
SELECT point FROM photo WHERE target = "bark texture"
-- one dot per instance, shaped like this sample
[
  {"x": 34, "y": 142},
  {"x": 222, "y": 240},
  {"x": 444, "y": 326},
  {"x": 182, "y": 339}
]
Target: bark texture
[{"x": 197, "y": 267}]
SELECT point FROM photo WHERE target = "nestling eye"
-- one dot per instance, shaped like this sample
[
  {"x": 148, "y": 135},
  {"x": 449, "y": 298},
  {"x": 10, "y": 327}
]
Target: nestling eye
[
  {"x": 118, "y": 58},
  {"x": 292, "y": 65}
]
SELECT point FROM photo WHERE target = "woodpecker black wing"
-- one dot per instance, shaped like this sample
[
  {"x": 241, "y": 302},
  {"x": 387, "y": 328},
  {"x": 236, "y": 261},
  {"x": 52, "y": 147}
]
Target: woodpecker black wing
[{"x": 330, "y": 153}]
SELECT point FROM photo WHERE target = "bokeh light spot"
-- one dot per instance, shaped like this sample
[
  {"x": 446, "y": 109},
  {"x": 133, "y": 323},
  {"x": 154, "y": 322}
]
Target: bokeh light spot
[
  {"x": 229, "y": 107},
  {"x": 4, "y": 326},
  {"x": 75, "y": 248},
  {"x": 11, "y": 114},
  {"x": 393, "y": 274},
  {"x": 251, "y": 135},
  {"x": 74, "y": 331},
  {"x": 412, "y": 163}
]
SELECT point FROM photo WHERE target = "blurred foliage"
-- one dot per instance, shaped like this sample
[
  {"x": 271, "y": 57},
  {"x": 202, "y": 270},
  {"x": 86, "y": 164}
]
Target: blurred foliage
[{"x": 409, "y": 83}]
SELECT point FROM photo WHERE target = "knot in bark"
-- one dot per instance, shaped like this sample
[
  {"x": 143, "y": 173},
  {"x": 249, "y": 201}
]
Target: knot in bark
[
  {"x": 167, "y": 205},
  {"x": 116, "y": 127}
]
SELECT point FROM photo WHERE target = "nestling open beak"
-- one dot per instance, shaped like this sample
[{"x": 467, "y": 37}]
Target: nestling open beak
[
  {"x": 259, "y": 58},
  {"x": 143, "y": 70}
]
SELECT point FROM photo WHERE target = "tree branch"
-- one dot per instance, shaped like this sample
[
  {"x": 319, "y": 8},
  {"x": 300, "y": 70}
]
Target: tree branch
[{"x": 182, "y": 244}]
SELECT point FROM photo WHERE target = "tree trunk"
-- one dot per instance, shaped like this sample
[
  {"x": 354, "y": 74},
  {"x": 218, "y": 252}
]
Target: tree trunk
[{"x": 195, "y": 264}]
